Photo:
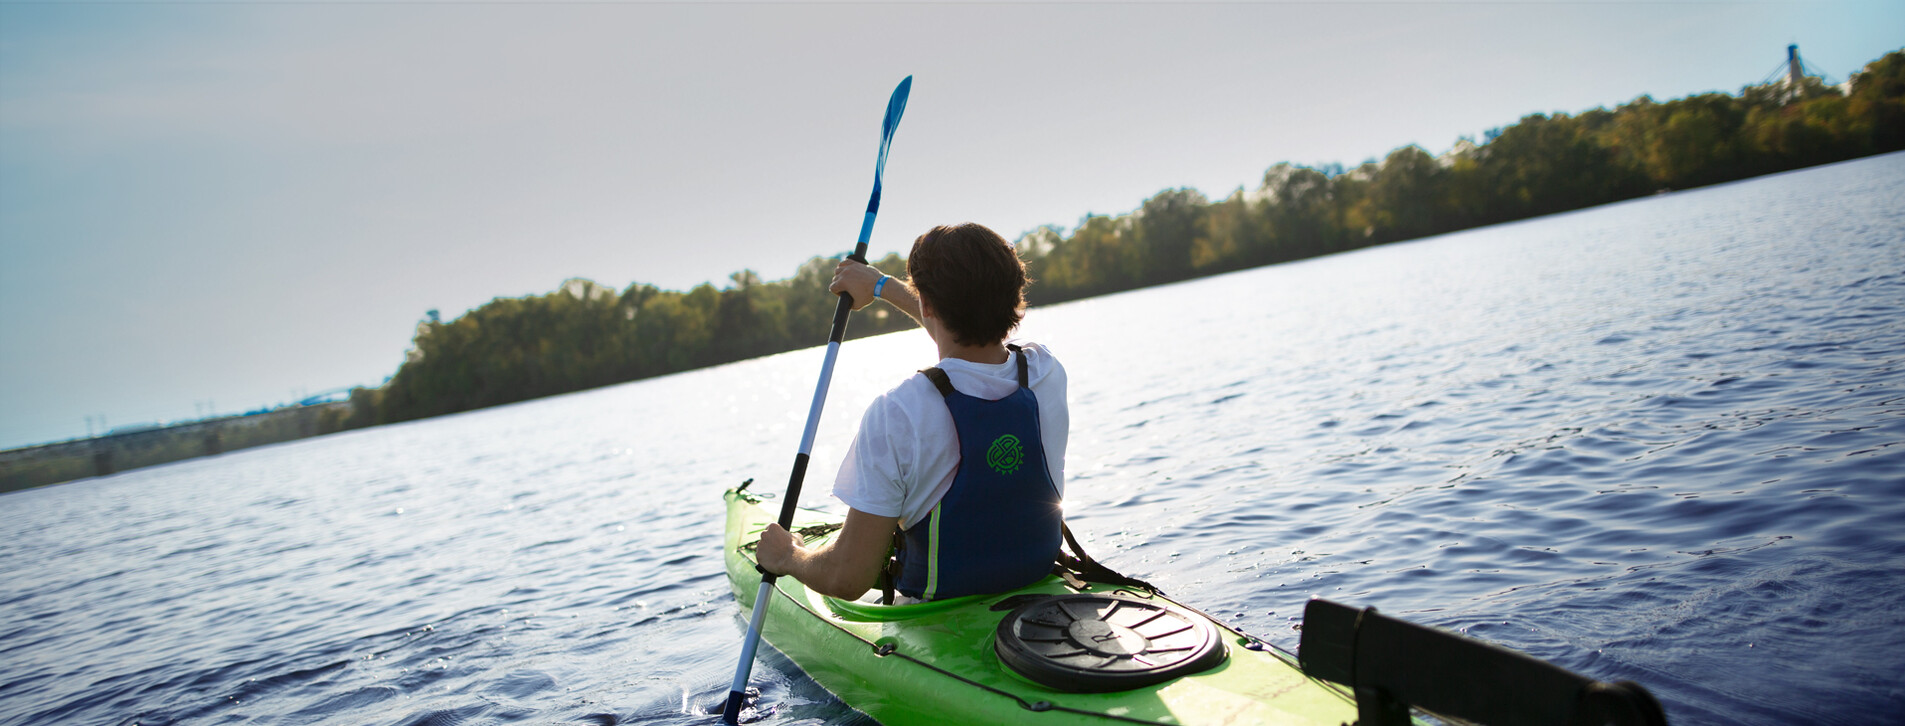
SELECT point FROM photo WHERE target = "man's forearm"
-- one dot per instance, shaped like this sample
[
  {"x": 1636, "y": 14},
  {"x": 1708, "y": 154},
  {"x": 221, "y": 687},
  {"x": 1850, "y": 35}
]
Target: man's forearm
[
  {"x": 901, "y": 295},
  {"x": 821, "y": 569}
]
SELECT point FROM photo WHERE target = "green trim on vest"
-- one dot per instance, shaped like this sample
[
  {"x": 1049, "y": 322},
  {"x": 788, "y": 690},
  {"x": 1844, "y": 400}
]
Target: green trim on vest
[{"x": 932, "y": 556}]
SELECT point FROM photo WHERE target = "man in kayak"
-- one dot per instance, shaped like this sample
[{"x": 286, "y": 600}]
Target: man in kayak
[{"x": 965, "y": 460}]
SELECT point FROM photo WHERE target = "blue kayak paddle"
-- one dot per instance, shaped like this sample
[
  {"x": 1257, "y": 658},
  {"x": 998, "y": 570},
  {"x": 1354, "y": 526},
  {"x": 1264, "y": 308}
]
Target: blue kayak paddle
[{"x": 731, "y": 713}]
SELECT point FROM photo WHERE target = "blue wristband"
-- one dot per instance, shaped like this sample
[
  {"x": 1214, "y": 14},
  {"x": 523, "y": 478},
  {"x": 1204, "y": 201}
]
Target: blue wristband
[{"x": 881, "y": 284}]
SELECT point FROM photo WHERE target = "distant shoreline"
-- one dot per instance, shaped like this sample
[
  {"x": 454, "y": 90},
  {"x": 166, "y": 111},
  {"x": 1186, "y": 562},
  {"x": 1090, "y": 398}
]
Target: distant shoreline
[{"x": 41, "y": 465}]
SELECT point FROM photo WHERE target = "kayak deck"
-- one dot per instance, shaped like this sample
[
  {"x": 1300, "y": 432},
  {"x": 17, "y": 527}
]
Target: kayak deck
[{"x": 934, "y": 663}]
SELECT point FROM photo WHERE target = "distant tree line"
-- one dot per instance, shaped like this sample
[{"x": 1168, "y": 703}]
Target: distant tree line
[
  {"x": 1541, "y": 165},
  {"x": 584, "y": 335}
]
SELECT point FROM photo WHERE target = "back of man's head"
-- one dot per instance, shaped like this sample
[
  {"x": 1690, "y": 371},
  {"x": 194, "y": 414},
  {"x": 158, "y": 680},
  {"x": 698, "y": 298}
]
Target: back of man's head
[{"x": 973, "y": 280}]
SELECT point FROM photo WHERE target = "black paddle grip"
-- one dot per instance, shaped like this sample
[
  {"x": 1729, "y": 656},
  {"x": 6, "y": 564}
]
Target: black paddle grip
[{"x": 791, "y": 501}]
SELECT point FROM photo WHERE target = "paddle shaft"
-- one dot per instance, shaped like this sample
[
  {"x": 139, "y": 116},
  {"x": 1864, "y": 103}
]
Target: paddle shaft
[
  {"x": 837, "y": 334},
  {"x": 737, "y": 691}
]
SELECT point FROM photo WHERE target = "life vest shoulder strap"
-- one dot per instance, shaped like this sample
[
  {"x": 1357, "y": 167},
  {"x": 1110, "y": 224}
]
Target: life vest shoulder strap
[{"x": 939, "y": 379}]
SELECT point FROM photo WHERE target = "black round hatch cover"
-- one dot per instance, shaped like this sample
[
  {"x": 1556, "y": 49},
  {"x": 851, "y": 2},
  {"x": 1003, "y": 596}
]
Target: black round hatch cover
[{"x": 1100, "y": 643}]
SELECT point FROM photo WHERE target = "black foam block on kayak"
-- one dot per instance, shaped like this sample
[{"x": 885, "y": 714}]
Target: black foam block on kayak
[{"x": 1392, "y": 664}]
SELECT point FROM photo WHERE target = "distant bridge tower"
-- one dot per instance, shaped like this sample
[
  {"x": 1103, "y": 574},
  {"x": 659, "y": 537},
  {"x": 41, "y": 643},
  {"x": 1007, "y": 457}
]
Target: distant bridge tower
[
  {"x": 1795, "y": 71},
  {"x": 1788, "y": 79}
]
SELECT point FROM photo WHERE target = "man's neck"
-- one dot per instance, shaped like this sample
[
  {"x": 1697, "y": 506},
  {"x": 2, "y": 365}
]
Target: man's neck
[{"x": 994, "y": 353}]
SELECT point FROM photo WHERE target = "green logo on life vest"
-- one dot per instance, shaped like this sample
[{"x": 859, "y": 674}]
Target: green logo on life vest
[{"x": 1005, "y": 455}]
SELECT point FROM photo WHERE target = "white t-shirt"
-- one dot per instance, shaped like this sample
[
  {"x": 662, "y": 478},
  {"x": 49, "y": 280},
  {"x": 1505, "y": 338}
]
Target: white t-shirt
[{"x": 907, "y": 451}]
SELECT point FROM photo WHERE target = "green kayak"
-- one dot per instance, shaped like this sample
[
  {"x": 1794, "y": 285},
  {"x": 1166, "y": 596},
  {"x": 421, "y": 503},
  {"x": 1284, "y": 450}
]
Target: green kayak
[{"x": 1051, "y": 653}]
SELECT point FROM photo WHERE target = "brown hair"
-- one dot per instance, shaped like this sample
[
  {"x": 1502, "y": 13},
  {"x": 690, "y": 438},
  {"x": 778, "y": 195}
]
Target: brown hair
[{"x": 973, "y": 279}]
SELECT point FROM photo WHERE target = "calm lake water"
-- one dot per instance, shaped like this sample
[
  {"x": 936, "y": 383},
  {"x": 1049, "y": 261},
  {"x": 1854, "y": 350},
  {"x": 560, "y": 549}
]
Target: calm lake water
[{"x": 1661, "y": 440}]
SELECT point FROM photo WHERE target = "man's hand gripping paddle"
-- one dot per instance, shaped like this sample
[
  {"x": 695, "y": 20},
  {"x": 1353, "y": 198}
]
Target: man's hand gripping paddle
[{"x": 731, "y": 713}]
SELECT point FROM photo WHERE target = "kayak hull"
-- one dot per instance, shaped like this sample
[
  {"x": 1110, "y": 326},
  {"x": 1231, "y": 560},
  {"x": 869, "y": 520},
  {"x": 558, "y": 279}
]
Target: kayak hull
[{"x": 934, "y": 663}]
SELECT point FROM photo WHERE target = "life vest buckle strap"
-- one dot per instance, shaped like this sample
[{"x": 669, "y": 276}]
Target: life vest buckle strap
[{"x": 895, "y": 563}]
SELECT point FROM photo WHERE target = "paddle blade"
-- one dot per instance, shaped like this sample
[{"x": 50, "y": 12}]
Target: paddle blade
[{"x": 895, "y": 107}]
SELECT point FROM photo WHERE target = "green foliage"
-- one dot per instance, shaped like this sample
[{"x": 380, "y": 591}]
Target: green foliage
[
  {"x": 1543, "y": 164},
  {"x": 1168, "y": 228},
  {"x": 584, "y": 335},
  {"x": 1877, "y": 102}
]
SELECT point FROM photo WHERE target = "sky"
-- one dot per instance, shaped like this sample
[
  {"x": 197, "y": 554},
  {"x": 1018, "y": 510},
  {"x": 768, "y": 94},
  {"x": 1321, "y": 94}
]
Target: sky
[{"x": 212, "y": 207}]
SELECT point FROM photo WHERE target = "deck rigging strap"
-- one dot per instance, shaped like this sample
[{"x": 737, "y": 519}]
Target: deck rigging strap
[{"x": 1081, "y": 566}]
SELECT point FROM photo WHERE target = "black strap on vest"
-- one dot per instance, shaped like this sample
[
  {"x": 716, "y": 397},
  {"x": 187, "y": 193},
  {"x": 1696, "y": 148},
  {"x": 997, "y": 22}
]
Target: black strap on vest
[
  {"x": 895, "y": 561},
  {"x": 1081, "y": 566},
  {"x": 939, "y": 379}
]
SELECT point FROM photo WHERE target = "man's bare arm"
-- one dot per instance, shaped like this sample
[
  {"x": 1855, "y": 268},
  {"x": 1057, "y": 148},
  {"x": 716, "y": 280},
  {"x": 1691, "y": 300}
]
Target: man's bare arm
[{"x": 845, "y": 567}]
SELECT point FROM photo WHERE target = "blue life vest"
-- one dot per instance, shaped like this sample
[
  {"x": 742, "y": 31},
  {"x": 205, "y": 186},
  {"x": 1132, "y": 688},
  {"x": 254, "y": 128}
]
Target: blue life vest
[{"x": 998, "y": 527}]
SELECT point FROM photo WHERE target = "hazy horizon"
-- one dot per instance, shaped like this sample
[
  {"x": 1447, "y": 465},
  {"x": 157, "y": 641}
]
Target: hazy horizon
[{"x": 213, "y": 208}]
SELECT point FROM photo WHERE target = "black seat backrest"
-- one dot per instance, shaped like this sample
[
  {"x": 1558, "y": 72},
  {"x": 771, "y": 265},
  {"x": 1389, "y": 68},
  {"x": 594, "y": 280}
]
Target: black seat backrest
[{"x": 1392, "y": 665}]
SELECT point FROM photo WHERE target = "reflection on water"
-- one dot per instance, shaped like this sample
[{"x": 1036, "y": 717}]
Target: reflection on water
[{"x": 1659, "y": 440}]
